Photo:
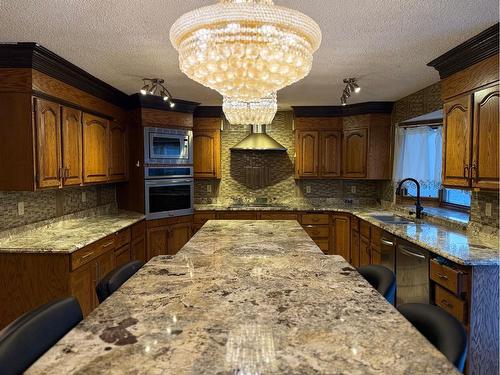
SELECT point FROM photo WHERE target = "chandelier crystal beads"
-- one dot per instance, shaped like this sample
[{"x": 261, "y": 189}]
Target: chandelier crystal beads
[
  {"x": 256, "y": 112},
  {"x": 245, "y": 49}
]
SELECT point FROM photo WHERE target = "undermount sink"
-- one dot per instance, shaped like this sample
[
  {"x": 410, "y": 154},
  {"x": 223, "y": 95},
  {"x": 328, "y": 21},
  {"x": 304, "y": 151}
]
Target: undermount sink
[{"x": 392, "y": 219}]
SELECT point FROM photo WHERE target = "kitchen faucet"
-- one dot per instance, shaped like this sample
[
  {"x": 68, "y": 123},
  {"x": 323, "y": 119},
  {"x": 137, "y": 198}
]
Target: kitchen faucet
[{"x": 418, "y": 206}]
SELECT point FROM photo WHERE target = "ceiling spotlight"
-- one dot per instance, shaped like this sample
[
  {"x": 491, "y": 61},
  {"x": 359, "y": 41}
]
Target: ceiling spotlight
[
  {"x": 346, "y": 93},
  {"x": 351, "y": 87},
  {"x": 155, "y": 86},
  {"x": 343, "y": 100}
]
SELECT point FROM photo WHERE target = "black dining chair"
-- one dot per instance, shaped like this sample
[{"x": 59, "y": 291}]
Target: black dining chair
[
  {"x": 381, "y": 278},
  {"x": 445, "y": 332},
  {"x": 115, "y": 279},
  {"x": 28, "y": 337}
]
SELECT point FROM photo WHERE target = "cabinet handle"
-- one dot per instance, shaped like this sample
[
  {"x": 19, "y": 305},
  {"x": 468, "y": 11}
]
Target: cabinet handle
[
  {"x": 108, "y": 244},
  {"x": 67, "y": 172},
  {"x": 442, "y": 276},
  {"x": 87, "y": 255},
  {"x": 473, "y": 171},
  {"x": 466, "y": 171},
  {"x": 446, "y": 303}
]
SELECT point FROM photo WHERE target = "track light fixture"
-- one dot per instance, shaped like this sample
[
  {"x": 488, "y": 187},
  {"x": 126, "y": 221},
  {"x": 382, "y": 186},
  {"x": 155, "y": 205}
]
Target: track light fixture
[
  {"x": 155, "y": 86},
  {"x": 351, "y": 87}
]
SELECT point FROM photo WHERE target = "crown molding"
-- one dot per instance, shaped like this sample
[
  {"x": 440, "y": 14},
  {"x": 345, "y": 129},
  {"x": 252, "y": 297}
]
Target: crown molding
[
  {"x": 472, "y": 51},
  {"x": 208, "y": 111},
  {"x": 341, "y": 111},
  {"x": 156, "y": 102}
]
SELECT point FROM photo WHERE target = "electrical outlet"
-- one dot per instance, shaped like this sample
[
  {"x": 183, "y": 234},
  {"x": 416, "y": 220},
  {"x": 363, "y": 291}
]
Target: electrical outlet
[
  {"x": 308, "y": 189},
  {"x": 353, "y": 189},
  {"x": 20, "y": 208},
  {"x": 84, "y": 197},
  {"x": 487, "y": 209},
  {"x": 209, "y": 188}
]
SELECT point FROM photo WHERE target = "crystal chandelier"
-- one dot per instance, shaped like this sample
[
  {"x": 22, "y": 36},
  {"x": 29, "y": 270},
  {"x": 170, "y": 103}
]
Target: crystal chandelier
[
  {"x": 245, "y": 49},
  {"x": 255, "y": 112}
]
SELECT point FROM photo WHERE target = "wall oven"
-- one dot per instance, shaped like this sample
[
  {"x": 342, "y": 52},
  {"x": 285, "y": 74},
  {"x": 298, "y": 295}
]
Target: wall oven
[
  {"x": 168, "y": 146},
  {"x": 168, "y": 192}
]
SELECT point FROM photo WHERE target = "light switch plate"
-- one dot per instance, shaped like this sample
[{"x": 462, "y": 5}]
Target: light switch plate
[
  {"x": 84, "y": 197},
  {"x": 308, "y": 189},
  {"x": 353, "y": 189},
  {"x": 20, "y": 208},
  {"x": 487, "y": 209}
]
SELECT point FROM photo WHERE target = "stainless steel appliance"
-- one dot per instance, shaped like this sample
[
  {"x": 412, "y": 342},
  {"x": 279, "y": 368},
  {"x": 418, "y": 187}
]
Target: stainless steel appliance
[
  {"x": 388, "y": 251},
  {"x": 168, "y": 146},
  {"x": 168, "y": 192},
  {"x": 412, "y": 273}
]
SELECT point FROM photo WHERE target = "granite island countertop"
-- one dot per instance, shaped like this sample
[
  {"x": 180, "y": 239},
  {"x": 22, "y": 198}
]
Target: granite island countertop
[
  {"x": 68, "y": 234},
  {"x": 460, "y": 246},
  {"x": 225, "y": 306}
]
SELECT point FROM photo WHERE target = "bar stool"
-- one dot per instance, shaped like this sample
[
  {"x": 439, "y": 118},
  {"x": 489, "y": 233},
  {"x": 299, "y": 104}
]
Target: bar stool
[
  {"x": 114, "y": 279},
  {"x": 382, "y": 279},
  {"x": 28, "y": 337},
  {"x": 445, "y": 332}
]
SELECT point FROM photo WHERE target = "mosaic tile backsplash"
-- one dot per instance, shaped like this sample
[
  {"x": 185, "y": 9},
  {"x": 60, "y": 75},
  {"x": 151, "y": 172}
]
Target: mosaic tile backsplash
[
  {"x": 269, "y": 176},
  {"x": 48, "y": 204}
]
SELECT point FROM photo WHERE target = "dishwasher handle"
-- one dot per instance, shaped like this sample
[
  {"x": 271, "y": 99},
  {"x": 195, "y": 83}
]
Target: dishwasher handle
[
  {"x": 386, "y": 242},
  {"x": 406, "y": 251}
]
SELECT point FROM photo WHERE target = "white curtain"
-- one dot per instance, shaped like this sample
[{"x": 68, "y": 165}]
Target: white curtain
[{"x": 417, "y": 154}]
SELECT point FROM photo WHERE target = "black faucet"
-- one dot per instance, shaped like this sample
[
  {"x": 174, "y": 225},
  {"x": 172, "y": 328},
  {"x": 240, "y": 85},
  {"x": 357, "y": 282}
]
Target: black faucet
[{"x": 418, "y": 206}]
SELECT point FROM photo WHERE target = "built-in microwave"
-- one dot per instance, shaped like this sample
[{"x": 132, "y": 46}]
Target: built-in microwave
[
  {"x": 168, "y": 146},
  {"x": 168, "y": 192}
]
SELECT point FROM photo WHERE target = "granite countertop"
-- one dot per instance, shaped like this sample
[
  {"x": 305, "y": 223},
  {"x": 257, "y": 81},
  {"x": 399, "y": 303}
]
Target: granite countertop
[
  {"x": 460, "y": 246},
  {"x": 222, "y": 305},
  {"x": 68, "y": 234}
]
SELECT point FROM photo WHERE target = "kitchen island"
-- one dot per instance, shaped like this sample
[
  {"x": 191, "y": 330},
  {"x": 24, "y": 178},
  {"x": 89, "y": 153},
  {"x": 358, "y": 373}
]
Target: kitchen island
[{"x": 245, "y": 297}]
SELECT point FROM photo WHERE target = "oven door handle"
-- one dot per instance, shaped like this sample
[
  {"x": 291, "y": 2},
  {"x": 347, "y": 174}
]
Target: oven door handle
[{"x": 169, "y": 182}]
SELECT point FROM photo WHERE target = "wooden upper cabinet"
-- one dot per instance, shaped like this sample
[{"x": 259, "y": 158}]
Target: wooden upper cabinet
[
  {"x": 306, "y": 164},
  {"x": 48, "y": 144},
  {"x": 330, "y": 153},
  {"x": 206, "y": 154},
  {"x": 95, "y": 149},
  {"x": 354, "y": 151},
  {"x": 71, "y": 128},
  {"x": 118, "y": 165},
  {"x": 484, "y": 169},
  {"x": 457, "y": 135}
]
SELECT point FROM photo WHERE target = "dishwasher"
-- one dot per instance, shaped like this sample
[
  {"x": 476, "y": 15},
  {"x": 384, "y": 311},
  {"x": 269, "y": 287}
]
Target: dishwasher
[{"x": 412, "y": 273}]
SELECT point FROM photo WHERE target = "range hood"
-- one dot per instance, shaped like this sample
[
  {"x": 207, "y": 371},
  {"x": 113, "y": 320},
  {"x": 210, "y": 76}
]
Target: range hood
[{"x": 258, "y": 140}]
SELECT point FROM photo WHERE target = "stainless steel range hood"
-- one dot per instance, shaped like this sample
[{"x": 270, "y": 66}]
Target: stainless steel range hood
[{"x": 258, "y": 140}]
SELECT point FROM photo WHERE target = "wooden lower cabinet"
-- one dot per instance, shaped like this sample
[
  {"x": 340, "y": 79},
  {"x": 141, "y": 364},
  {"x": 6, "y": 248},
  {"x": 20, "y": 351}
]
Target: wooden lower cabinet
[
  {"x": 341, "y": 233},
  {"x": 122, "y": 255},
  {"x": 168, "y": 236},
  {"x": 364, "y": 251},
  {"x": 82, "y": 284}
]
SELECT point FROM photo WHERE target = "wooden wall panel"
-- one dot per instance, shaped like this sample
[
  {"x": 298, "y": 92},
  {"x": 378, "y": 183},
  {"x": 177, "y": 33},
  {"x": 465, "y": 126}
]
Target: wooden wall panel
[
  {"x": 471, "y": 78},
  {"x": 15, "y": 80},
  {"x": 158, "y": 118},
  {"x": 207, "y": 123},
  {"x": 318, "y": 123}
]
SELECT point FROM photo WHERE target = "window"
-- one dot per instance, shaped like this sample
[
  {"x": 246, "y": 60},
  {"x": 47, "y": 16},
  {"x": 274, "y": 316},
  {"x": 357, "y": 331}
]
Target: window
[{"x": 456, "y": 197}]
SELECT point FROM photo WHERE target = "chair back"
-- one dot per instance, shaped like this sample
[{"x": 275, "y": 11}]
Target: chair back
[
  {"x": 114, "y": 279},
  {"x": 381, "y": 278}
]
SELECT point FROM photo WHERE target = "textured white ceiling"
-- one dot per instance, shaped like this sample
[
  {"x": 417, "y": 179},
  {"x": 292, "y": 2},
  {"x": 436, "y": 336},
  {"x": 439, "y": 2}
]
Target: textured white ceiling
[{"x": 385, "y": 43}]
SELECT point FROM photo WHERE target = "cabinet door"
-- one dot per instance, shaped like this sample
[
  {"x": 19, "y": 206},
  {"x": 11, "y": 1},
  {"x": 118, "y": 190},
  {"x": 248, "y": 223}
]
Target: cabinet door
[
  {"x": 122, "y": 255},
  {"x": 118, "y": 165},
  {"x": 95, "y": 149},
  {"x": 341, "y": 236},
  {"x": 179, "y": 235},
  {"x": 484, "y": 170},
  {"x": 354, "y": 150},
  {"x": 330, "y": 153},
  {"x": 206, "y": 153},
  {"x": 82, "y": 285},
  {"x": 138, "y": 250},
  {"x": 307, "y": 149},
  {"x": 457, "y": 142},
  {"x": 375, "y": 257},
  {"x": 355, "y": 248},
  {"x": 71, "y": 146},
  {"x": 364, "y": 251},
  {"x": 157, "y": 241},
  {"x": 48, "y": 144}
]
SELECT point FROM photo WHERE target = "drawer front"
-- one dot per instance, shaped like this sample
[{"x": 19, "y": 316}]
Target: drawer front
[
  {"x": 92, "y": 251},
  {"x": 451, "y": 279},
  {"x": 122, "y": 238},
  {"x": 450, "y": 303},
  {"x": 278, "y": 216},
  {"x": 315, "y": 219},
  {"x": 202, "y": 217},
  {"x": 317, "y": 231},
  {"x": 364, "y": 229},
  {"x": 323, "y": 244},
  {"x": 139, "y": 230},
  {"x": 355, "y": 223}
]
